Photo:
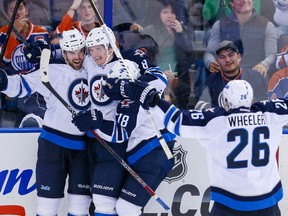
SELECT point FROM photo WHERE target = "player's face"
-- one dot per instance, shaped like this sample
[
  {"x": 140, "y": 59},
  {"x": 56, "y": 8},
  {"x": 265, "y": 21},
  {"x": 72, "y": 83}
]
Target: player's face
[
  {"x": 75, "y": 58},
  {"x": 21, "y": 12},
  {"x": 99, "y": 54},
  {"x": 167, "y": 16},
  {"x": 242, "y": 6},
  {"x": 86, "y": 12},
  {"x": 229, "y": 62}
]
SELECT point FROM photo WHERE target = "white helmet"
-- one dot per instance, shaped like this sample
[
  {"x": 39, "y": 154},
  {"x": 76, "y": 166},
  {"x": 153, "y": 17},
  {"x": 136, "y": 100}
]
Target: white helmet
[
  {"x": 237, "y": 93},
  {"x": 118, "y": 70},
  {"x": 98, "y": 36},
  {"x": 72, "y": 40}
]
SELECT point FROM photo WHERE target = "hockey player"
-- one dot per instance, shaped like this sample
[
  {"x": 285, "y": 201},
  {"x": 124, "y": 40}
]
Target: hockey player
[
  {"x": 241, "y": 153},
  {"x": 143, "y": 143},
  {"x": 61, "y": 146}
]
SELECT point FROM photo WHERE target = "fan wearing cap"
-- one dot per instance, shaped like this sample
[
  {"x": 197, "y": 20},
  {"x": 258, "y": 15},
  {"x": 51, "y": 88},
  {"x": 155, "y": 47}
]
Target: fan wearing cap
[
  {"x": 228, "y": 58},
  {"x": 255, "y": 33}
]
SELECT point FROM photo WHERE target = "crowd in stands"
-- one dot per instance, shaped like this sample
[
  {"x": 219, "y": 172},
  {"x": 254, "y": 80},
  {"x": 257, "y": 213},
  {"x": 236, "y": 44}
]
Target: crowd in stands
[{"x": 179, "y": 36}]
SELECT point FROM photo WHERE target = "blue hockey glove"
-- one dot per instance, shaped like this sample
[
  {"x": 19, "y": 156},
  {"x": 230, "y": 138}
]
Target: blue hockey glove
[
  {"x": 33, "y": 52},
  {"x": 115, "y": 88},
  {"x": 3, "y": 80},
  {"x": 142, "y": 92},
  {"x": 86, "y": 120}
]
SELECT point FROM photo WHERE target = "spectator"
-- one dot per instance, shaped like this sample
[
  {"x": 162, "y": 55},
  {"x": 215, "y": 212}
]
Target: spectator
[
  {"x": 129, "y": 37},
  {"x": 87, "y": 18},
  {"x": 175, "y": 47},
  {"x": 213, "y": 10},
  {"x": 229, "y": 61},
  {"x": 15, "y": 61},
  {"x": 278, "y": 84},
  {"x": 62, "y": 149},
  {"x": 255, "y": 35},
  {"x": 280, "y": 17}
]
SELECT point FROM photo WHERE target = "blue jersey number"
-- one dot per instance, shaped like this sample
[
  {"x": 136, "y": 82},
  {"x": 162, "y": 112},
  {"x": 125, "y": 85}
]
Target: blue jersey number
[{"x": 260, "y": 150}]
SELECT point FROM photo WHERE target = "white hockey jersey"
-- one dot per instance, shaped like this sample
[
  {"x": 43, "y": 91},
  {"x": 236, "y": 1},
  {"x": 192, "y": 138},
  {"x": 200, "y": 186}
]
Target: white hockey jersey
[
  {"x": 72, "y": 86},
  {"x": 136, "y": 125},
  {"x": 241, "y": 147}
]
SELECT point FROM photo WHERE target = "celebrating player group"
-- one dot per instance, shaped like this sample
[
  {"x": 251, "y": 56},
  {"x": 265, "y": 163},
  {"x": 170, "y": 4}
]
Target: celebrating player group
[{"x": 109, "y": 129}]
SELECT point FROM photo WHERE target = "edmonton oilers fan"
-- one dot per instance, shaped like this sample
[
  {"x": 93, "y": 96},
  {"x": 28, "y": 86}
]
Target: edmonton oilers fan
[
  {"x": 62, "y": 147},
  {"x": 101, "y": 62},
  {"x": 241, "y": 154}
]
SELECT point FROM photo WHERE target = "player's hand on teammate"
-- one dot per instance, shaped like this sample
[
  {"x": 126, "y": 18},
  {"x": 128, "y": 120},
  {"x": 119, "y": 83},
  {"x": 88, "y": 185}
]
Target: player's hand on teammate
[
  {"x": 33, "y": 52},
  {"x": 3, "y": 80},
  {"x": 142, "y": 92},
  {"x": 115, "y": 88},
  {"x": 86, "y": 120}
]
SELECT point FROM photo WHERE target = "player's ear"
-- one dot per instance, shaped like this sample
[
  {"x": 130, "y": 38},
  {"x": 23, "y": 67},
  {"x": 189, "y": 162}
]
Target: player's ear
[{"x": 110, "y": 51}]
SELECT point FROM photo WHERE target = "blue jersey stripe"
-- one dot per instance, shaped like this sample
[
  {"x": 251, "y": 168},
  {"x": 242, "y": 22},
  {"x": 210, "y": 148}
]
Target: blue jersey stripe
[
  {"x": 62, "y": 141},
  {"x": 148, "y": 147},
  {"x": 249, "y": 205}
]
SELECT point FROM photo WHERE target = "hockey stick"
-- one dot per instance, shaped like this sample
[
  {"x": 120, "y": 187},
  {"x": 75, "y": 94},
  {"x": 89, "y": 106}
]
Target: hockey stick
[
  {"x": 44, "y": 65},
  {"x": 18, "y": 35},
  {"x": 121, "y": 60},
  {"x": 3, "y": 49}
]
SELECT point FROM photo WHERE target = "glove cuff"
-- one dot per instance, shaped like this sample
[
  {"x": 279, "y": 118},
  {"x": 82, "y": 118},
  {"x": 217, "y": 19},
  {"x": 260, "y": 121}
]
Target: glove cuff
[
  {"x": 123, "y": 88},
  {"x": 144, "y": 93}
]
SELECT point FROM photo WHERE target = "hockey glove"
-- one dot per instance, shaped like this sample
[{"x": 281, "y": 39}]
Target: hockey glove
[
  {"x": 33, "y": 52},
  {"x": 115, "y": 88},
  {"x": 86, "y": 120},
  {"x": 142, "y": 92},
  {"x": 3, "y": 80}
]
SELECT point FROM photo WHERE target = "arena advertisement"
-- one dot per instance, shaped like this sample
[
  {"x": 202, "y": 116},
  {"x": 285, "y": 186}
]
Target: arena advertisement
[{"x": 185, "y": 190}]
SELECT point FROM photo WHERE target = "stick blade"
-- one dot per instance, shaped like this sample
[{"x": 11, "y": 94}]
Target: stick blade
[{"x": 44, "y": 65}]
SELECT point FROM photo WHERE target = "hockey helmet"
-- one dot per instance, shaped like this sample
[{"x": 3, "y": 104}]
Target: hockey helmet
[
  {"x": 72, "y": 40},
  {"x": 118, "y": 70},
  {"x": 237, "y": 93},
  {"x": 98, "y": 36}
]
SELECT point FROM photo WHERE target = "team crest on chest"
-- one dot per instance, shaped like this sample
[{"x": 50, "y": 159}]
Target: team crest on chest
[
  {"x": 126, "y": 103},
  {"x": 98, "y": 95},
  {"x": 79, "y": 94},
  {"x": 19, "y": 61}
]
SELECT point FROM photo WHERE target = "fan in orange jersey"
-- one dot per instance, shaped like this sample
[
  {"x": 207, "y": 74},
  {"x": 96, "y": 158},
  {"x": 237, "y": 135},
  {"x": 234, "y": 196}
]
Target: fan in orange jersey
[{"x": 87, "y": 18}]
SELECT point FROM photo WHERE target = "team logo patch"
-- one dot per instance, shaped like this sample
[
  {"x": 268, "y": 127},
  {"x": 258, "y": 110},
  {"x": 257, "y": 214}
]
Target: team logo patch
[
  {"x": 126, "y": 103},
  {"x": 19, "y": 61},
  {"x": 139, "y": 52},
  {"x": 180, "y": 167},
  {"x": 98, "y": 95},
  {"x": 78, "y": 94}
]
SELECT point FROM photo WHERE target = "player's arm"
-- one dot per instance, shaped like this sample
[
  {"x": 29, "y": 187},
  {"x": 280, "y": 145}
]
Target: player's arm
[{"x": 150, "y": 73}]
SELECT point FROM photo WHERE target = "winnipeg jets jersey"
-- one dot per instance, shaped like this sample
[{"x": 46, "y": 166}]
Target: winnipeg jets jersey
[
  {"x": 98, "y": 74},
  {"x": 71, "y": 85},
  {"x": 132, "y": 121},
  {"x": 241, "y": 149}
]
